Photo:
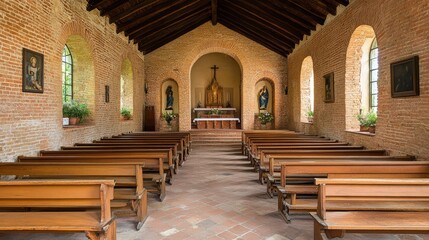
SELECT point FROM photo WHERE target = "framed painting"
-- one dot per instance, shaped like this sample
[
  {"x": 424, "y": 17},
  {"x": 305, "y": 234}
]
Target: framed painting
[
  {"x": 106, "y": 93},
  {"x": 32, "y": 71},
  {"x": 328, "y": 80},
  {"x": 405, "y": 77}
]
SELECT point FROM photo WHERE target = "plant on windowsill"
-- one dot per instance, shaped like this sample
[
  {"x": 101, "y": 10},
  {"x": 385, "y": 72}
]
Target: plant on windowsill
[
  {"x": 168, "y": 117},
  {"x": 126, "y": 113},
  {"x": 310, "y": 116},
  {"x": 75, "y": 111},
  {"x": 367, "y": 122},
  {"x": 265, "y": 117}
]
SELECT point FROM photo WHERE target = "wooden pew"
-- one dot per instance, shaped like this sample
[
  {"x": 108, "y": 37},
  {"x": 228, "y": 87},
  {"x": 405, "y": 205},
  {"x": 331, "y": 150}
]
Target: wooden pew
[
  {"x": 339, "y": 169},
  {"x": 371, "y": 206},
  {"x": 185, "y": 135},
  {"x": 153, "y": 181},
  {"x": 180, "y": 148},
  {"x": 128, "y": 192},
  {"x": 54, "y": 194},
  {"x": 165, "y": 154}
]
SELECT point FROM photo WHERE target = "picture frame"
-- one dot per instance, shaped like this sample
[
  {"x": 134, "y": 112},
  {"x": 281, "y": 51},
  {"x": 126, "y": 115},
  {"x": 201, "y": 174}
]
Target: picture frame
[
  {"x": 328, "y": 83},
  {"x": 32, "y": 71},
  {"x": 405, "y": 77}
]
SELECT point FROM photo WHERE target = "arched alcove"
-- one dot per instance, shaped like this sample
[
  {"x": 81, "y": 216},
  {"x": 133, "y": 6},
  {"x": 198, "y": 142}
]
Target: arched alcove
[
  {"x": 228, "y": 77},
  {"x": 357, "y": 75},
  {"x": 126, "y": 86},
  {"x": 259, "y": 86},
  {"x": 175, "y": 88},
  {"x": 307, "y": 88},
  {"x": 83, "y": 72}
]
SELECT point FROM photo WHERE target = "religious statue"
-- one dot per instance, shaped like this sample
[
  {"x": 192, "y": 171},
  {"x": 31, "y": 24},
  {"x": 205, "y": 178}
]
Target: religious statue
[
  {"x": 170, "y": 98},
  {"x": 263, "y": 98},
  {"x": 214, "y": 92}
]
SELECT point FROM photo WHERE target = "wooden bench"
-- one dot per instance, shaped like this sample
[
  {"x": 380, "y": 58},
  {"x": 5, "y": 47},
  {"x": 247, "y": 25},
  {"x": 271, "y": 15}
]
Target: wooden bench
[
  {"x": 371, "y": 206},
  {"x": 128, "y": 192},
  {"x": 185, "y": 135},
  {"x": 49, "y": 195},
  {"x": 339, "y": 169},
  {"x": 154, "y": 177},
  {"x": 165, "y": 154}
]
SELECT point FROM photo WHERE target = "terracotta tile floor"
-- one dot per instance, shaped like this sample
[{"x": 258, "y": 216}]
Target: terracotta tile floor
[{"x": 214, "y": 196}]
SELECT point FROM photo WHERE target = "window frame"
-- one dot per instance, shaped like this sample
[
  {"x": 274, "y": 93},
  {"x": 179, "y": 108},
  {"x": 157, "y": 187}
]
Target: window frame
[
  {"x": 64, "y": 73},
  {"x": 373, "y": 48}
]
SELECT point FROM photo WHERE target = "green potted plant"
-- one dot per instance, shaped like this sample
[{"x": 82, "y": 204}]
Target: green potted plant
[
  {"x": 265, "y": 117},
  {"x": 362, "y": 122},
  {"x": 75, "y": 111},
  {"x": 310, "y": 116},
  {"x": 371, "y": 121},
  {"x": 126, "y": 113},
  {"x": 168, "y": 117}
]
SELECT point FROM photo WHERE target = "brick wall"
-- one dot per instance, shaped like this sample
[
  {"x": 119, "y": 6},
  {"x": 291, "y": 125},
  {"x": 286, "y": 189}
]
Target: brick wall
[
  {"x": 402, "y": 31},
  {"x": 175, "y": 60},
  {"x": 30, "y": 122}
]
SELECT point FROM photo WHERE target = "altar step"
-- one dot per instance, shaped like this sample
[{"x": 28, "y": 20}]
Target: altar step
[{"x": 216, "y": 137}]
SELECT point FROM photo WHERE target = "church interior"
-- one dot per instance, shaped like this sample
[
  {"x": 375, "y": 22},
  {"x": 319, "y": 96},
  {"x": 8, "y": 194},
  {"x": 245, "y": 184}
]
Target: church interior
[{"x": 214, "y": 119}]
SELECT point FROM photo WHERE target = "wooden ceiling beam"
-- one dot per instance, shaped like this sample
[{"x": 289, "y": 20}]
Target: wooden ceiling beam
[
  {"x": 314, "y": 7},
  {"x": 249, "y": 23},
  {"x": 255, "y": 38},
  {"x": 143, "y": 5},
  {"x": 172, "y": 23},
  {"x": 214, "y": 12},
  {"x": 149, "y": 14},
  {"x": 93, "y": 4},
  {"x": 112, "y": 7},
  {"x": 277, "y": 23},
  {"x": 164, "y": 19},
  {"x": 162, "y": 41},
  {"x": 157, "y": 36},
  {"x": 296, "y": 12}
]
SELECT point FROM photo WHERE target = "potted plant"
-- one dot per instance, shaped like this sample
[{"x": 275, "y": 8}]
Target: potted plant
[
  {"x": 371, "y": 121},
  {"x": 168, "y": 117},
  {"x": 75, "y": 111},
  {"x": 265, "y": 117},
  {"x": 126, "y": 113},
  {"x": 310, "y": 116},
  {"x": 362, "y": 122}
]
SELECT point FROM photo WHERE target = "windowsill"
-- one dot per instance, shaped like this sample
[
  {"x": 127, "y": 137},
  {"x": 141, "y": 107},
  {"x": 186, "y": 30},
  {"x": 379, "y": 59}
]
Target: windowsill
[
  {"x": 126, "y": 121},
  {"x": 361, "y": 133},
  {"x": 82, "y": 126},
  {"x": 311, "y": 123}
]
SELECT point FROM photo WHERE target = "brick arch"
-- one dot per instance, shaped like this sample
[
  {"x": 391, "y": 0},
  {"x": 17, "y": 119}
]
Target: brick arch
[
  {"x": 356, "y": 74},
  {"x": 307, "y": 71}
]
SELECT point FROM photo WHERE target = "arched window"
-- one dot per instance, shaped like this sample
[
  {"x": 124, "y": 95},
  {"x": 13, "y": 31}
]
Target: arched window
[
  {"x": 67, "y": 74},
  {"x": 307, "y": 89},
  {"x": 373, "y": 76}
]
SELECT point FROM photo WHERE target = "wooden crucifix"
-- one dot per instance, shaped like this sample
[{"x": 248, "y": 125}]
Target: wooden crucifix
[{"x": 214, "y": 68}]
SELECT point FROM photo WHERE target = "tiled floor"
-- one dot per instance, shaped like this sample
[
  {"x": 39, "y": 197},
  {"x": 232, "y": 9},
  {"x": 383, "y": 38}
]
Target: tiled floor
[{"x": 214, "y": 196}]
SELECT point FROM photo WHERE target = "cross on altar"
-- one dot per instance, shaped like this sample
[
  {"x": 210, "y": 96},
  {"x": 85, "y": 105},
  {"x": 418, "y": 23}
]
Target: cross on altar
[{"x": 214, "y": 68}]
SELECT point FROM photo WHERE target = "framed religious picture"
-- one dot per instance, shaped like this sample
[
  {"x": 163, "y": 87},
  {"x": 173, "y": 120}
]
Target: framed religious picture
[
  {"x": 328, "y": 81},
  {"x": 405, "y": 77},
  {"x": 32, "y": 71},
  {"x": 106, "y": 93}
]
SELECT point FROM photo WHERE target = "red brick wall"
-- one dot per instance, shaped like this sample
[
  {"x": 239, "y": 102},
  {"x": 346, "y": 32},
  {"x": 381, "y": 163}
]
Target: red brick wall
[
  {"x": 402, "y": 30},
  {"x": 30, "y": 122}
]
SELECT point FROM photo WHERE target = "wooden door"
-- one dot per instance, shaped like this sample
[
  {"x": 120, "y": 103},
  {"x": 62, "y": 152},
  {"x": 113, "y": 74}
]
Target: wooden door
[{"x": 149, "y": 118}]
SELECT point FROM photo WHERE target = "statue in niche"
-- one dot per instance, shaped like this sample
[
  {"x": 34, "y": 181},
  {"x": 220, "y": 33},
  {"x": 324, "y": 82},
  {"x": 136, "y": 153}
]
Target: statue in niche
[
  {"x": 214, "y": 92},
  {"x": 263, "y": 98},
  {"x": 170, "y": 98}
]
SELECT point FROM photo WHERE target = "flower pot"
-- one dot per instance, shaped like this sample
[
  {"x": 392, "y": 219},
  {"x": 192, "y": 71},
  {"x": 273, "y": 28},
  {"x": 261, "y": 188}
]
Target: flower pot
[
  {"x": 364, "y": 129},
  {"x": 74, "y": 121},
  {"x": 310, "y": 119},
  {"x": 125, "y": 118},
  {"x": 371, "y": 129}
]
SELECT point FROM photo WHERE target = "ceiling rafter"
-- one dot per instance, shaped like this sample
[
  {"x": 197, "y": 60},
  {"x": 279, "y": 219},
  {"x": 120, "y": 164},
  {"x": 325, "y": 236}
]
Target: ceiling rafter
[{"x": 275, "y": 24}]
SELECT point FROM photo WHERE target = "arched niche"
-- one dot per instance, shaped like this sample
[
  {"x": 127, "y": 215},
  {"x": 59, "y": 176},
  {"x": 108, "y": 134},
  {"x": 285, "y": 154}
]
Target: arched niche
[
  {"x": 126, "y": 86},
  {"x": 83, "y": 72},
  {"x": 228, "y": 76},
  {"x": 357, "y": 75},
  {"x": 307, "y": 87},
  {"x": 165, "y": 84},
  {"x": 269, "y": 84}
]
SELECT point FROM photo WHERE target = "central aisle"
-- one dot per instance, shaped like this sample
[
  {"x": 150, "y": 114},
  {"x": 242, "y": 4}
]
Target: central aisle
[{"x": 215, "y": 195}]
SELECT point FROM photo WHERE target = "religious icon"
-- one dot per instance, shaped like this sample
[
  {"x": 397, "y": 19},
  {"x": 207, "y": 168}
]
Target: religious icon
[
  {"x": 170, "y": 98},
  {"x": 214, "y": 92},
  {"x": 329, "y": 88},
  {"x": 405, "y": 77},
  {"x": 263, "y": 98},
  {"x": 32, "y": 71}
]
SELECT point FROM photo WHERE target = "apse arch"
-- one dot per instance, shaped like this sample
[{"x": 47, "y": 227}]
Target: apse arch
[
  {"x": 228, "y": 77},
  {"x": 357, "y": 78}
]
